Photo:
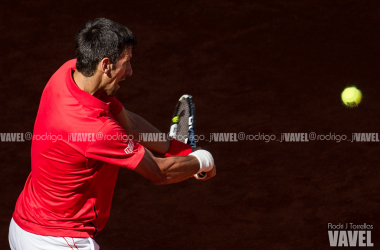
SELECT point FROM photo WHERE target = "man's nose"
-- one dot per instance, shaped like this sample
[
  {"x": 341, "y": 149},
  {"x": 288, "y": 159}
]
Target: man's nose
[{"x": 129, "y": 71}]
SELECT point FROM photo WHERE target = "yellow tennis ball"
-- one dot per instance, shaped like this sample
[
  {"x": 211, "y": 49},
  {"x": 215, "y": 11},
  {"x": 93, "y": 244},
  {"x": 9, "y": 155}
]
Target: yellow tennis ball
[
  {"x": 351, "y": 96},
  {"x": 175, "y": 119}
]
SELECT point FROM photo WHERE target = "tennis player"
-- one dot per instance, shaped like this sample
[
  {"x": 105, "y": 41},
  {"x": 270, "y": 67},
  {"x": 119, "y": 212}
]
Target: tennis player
[{"x": 67, "y": 197}]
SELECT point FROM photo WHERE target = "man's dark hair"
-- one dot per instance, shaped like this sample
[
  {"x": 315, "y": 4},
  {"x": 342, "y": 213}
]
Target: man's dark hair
[{"x": 100, "y": 38}]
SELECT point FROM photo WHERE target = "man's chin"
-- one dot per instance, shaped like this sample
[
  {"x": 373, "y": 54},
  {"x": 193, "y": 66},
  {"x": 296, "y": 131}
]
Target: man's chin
[{"x": 112, "y": 92}]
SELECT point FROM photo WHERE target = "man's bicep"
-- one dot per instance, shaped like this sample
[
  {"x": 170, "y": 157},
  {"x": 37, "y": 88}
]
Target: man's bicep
[
  {"x": 148, "y": 168},
  {"x": 127, "y": 120}
]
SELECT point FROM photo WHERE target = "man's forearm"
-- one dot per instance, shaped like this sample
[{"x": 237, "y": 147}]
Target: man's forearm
[
  {"x": 169, "y": 170},
  {"x": 176, "y": 169}
]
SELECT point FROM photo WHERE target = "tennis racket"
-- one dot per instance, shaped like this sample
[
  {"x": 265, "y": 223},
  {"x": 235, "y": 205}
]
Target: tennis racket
[{"x": 183, "y": 123}]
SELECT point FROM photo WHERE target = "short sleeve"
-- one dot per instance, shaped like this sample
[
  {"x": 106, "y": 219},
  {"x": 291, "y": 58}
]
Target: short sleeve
[{"x": 112, "y": 145}]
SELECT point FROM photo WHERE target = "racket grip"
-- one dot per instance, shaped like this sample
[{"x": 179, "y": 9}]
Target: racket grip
[{"x": 202, "y": 175}]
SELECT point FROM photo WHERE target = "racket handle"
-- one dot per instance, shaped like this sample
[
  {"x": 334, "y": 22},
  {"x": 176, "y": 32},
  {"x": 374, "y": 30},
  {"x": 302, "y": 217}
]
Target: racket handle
[{"x": 202, "y": 175}]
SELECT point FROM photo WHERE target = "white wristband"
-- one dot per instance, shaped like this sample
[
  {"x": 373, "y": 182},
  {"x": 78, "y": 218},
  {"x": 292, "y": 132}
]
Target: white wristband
[{"x": 205, "y": 159}]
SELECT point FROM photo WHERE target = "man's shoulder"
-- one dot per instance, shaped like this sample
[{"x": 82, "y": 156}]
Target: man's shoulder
[
  {"x": 71, "y": 64},
  {"x": 61, "y": 74}
]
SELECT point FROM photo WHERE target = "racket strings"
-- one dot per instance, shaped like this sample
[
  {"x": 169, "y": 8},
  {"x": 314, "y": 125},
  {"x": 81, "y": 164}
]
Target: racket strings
[{"x": 183, "y": 123}]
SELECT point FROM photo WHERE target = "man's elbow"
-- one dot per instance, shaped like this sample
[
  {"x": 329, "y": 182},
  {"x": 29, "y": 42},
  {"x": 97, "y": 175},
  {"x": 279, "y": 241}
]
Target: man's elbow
[{"x": 160, "y": 179}]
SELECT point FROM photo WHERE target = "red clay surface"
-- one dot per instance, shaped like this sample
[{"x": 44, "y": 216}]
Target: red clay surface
[{"x": 267, "y": 67}]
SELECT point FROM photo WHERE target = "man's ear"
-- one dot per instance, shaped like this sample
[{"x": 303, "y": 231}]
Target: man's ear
[{"x": 105, "y": 65}]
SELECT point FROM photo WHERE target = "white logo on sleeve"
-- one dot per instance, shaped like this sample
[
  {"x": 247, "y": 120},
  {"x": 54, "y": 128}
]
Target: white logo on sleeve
[{"x": 129, "y": 149}]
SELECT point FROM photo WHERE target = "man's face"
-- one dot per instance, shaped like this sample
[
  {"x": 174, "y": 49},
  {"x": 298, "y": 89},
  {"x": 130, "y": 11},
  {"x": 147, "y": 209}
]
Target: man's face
[{"x": 120, "y": 71}]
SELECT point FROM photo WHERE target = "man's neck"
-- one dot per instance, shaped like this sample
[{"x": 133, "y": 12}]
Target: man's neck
[{"x": 87, "y": 84}]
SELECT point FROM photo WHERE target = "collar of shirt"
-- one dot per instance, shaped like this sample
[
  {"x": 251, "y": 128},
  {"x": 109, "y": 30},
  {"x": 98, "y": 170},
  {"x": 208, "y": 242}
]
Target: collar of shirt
[{"x": 83, "y": 97}]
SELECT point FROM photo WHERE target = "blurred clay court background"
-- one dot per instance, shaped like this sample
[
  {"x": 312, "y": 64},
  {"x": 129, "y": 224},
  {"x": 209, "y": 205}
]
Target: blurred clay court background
[{"x": 266, "y": 67}]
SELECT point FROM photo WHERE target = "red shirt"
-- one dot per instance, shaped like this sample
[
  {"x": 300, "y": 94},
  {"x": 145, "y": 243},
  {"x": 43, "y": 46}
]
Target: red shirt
[{"x": 77, "y": 149}]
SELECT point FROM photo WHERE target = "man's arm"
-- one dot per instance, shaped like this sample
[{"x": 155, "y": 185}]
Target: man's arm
[
  {"x": 169, "y": 170},
  {"x": 134, "y": 124}
]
